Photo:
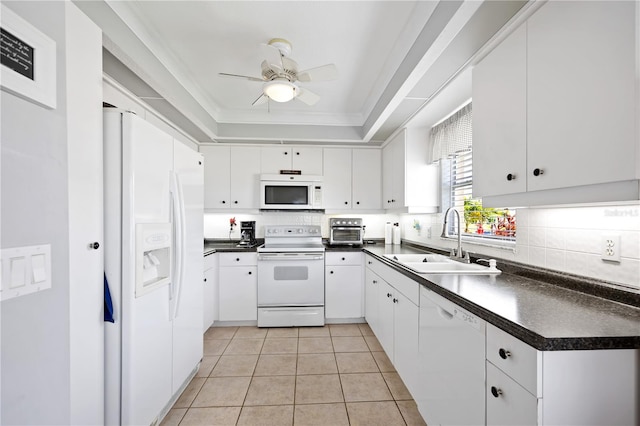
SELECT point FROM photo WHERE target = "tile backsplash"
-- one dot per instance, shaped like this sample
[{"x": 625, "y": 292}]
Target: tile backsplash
[{"x": 565, "y": 239}]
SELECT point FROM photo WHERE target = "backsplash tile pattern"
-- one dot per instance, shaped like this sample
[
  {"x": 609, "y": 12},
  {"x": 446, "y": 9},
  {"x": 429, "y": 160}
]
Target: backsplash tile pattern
[{"x": 565, "y": 239}]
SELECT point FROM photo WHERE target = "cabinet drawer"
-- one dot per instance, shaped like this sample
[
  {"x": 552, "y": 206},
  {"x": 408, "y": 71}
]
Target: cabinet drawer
[
  {"x": 238, "y": 259},
  {"x": 343, "y": 258},
  {"x": 508, "y": 403},
  {"x": 517, "y": 359},
  {"x": 404, "y": 284}
]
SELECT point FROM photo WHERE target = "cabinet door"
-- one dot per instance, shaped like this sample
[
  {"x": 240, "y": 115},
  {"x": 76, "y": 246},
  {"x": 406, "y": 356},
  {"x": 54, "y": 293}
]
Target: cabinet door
[
  {"x": 366, "y": 179},
  {"x": 344, "y": 292},
  {"x": 238, "y": 288},
  {"x": 581, "y": 93},
  {"x": 337, "y": 178},
  {"x": 274, "y": 158},
  {"x": 209, "y": 297},
  {"x": 371, "y": 312},
  {"x": 405, "y": 348},
  {"x": 508, "y": 403},
  {"x": 245, "y": 176},
  {"x": 387, "y": 176},
  {"x": 217, "y": 173},
  {"x": 385, "y": 325},
  {"x": 307, "y": 159},
  {"x": 499, "y": 119}
]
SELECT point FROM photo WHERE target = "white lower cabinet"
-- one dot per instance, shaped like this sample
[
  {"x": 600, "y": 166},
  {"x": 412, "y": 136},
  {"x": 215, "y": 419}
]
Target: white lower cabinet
[
  {"x": 508, "y": 403},
  {"x": 392, "y": 313},
  {"x": 238, "y": 287},
  {"x": 210, "y": 291},
  {"x": 344, "y": 291}
]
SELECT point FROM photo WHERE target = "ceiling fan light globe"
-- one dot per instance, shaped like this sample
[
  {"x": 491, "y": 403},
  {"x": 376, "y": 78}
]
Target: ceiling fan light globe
[{"x": 280, "y": 91}]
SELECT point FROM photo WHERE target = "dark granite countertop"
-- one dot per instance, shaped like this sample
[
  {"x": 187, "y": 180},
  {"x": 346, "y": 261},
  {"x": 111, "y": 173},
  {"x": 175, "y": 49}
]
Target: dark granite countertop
[
  {"x": 548, "y": 312},
  {"x": 229, "y": 246}
]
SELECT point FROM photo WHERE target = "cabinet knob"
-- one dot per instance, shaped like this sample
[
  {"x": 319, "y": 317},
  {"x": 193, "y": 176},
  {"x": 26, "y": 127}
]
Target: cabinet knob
[
  {"x": 496, "y": 392},
  {"x": 538, "y": 172},
  {"x": 504, "y": 354},
  {"x": 237, "y": 259},
  {"x": 331, "y": 272},
  {"x": 511, "y": 176},
  {"x": 250, "y": 272},
  {"x": 374, "y": 281},
  {"x": 393, "y": 201},
  {"x": 358, "y": 202},
  {"x": 95, "y": 245},
  {"x": 286, "y": 153},
  {"x": 395, "y": 300},
  {"x": 224, "y": 202},
  {"x": 370, "y": 262},
  {"x": 297, "y": 153},
  {"x": 235, "y": 202},
  {"x": 346, "y": 202},
  {"x": 343, "y": 258},
  {"x": 388, "y": 294},
  {"x": 205, "y": 280}
]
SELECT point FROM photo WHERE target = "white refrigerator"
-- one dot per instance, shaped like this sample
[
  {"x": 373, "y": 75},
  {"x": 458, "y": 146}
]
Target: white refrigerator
[{"x": 154, "y": 266}]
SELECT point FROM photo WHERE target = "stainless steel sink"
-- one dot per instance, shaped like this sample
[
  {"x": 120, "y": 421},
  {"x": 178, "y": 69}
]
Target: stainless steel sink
[{"x": 450, "y": 267}]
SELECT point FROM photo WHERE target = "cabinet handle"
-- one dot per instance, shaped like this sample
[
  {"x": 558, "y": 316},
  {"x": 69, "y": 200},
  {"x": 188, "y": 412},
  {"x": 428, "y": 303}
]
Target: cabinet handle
[
  {"x": 504, "y": 354},
  {"x": 370, "y": 262},
  {"x": 393, "y": 201},
  {"x": 94, "y": 245},
  {"x": 374, "y": 281},
  {"x": 395, "y": 300},
  {"x": 388, "y": 294},
  {"x": 496, "y": 391},
  {"x": 511, "y": 176},
  {"x": 538, "y": 172}
]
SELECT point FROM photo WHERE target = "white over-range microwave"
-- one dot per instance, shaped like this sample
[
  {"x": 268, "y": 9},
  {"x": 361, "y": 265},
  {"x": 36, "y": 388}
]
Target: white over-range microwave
[{"x": 290, "y": 192}]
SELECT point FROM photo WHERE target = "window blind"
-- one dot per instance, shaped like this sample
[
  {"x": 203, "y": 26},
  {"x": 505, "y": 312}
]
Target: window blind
[{"x": 453, "y": 135}]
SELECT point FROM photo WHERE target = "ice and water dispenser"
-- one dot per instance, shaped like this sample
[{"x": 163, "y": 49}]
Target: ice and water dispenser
[{"x": 153, "y": 256}]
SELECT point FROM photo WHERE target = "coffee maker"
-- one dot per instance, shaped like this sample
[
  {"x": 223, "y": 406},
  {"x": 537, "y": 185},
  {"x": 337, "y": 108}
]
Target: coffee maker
[{"x": 248, "y": 234}]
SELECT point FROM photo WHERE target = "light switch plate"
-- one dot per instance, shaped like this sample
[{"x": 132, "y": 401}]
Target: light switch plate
[
  {"x": 611, "y": 247},
  {"x": 25, "y": 270}
]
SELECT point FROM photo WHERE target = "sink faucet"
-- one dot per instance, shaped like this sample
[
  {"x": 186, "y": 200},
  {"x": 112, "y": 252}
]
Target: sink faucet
[{"x": 459, "y": 253}]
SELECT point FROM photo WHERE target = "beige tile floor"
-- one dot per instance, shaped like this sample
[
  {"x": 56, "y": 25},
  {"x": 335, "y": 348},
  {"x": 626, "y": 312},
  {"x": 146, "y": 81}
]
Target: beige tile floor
[{"x": 332, "y": 375}]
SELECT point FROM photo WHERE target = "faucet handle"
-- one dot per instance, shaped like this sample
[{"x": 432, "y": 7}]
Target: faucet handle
[{"x": 491, "y": 262}]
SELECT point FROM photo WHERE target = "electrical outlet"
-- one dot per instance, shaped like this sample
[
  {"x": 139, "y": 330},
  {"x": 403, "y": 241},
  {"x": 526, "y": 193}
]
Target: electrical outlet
[{"x": 610, "y": 247}]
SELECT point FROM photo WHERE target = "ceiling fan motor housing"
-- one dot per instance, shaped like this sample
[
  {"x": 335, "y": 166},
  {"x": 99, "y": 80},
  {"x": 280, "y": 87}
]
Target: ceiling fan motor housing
[{"x": 290, "y": 71}]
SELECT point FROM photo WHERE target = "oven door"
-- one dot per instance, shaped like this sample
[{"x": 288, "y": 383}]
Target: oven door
[
  {"x": 345, "y": 235},
  {"x": 290, "y": 279}
]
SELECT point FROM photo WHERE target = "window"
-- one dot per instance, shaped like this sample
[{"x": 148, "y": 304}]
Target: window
[{"x": 453, "y": 149}]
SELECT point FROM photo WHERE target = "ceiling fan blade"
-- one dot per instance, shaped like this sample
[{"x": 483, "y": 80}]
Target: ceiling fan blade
[
  {"x": 246, "y": 77},
  {"x": 272, "y": 56},
  {"x": 307, "y": 97},
  {"x": 322, "y": 73},
  {"x": 261, "y": 100}
]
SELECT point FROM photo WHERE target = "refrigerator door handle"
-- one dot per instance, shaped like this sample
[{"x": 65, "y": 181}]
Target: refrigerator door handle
[{"x": 177, "y": 201}]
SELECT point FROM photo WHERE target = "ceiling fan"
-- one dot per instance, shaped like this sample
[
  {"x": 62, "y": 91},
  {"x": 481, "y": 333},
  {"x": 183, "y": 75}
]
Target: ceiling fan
[{"x": 280, "y": 75}]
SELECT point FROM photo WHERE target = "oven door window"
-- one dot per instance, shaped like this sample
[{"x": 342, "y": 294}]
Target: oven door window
[
  {"x": 347, "y": 235},
  {"x": 286, "y": 195}
]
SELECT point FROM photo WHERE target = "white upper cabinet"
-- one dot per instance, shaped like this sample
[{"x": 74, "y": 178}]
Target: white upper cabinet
[
  {"x": 352, "y": 179},
  {"x": 556, "y": 110},
  {"x": 231, "y": 177},
  {"x": 306, "y": 159},
  {"x": 409, "y": 182},
  {"x": 367, "y": 179}
]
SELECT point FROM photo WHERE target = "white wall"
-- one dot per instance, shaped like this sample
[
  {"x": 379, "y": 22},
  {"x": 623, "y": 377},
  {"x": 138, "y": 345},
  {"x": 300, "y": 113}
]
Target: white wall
[
  {"x": 36, "y": 336},
  {"x": 566, "y": 239}
]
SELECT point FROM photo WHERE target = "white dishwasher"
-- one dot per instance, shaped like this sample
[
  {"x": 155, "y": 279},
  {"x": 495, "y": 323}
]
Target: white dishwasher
[{"x": 452, "y": 367}]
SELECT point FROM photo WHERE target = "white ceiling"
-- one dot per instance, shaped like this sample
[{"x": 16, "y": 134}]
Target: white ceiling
[{"x": 392, "y": 57}]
